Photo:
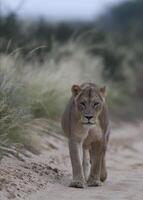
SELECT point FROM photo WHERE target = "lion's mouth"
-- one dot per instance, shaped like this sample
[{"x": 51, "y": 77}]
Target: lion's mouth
[{"x": 88, "y": 123}]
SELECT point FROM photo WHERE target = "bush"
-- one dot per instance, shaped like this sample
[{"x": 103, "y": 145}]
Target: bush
[{"x": 14, "y": 112}]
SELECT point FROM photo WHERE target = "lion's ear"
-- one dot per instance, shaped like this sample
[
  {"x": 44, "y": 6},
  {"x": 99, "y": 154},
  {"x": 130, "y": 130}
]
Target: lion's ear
[
  {"x": 103, "y": 91},
  {"x": 75, "y": 89}
]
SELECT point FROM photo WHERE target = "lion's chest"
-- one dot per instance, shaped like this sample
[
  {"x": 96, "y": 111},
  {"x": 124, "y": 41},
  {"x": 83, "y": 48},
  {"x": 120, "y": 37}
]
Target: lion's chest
[
  {"x": 89, "y": 134},
  {"x": 81, "y": 133},
  {"x": 94, "y": 135}
]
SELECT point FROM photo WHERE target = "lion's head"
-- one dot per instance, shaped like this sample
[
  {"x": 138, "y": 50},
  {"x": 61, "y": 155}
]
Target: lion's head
[{"x": 89, "y": 102}]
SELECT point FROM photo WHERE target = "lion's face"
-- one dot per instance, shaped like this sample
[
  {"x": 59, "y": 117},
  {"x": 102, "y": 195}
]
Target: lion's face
[{"x": 89, "y": 103}]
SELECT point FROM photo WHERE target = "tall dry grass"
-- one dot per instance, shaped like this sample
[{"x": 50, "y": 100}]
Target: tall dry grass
[
  {"x": 36, "y": 90},
  {"x": 49, "y": 85},
  {"x": 30, "y": 90}
]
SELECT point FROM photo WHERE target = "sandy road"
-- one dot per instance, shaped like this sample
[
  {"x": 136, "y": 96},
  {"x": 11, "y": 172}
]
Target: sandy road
[
  {"x": 125, "y": 166},
  {"x": 47, "y": 176}
]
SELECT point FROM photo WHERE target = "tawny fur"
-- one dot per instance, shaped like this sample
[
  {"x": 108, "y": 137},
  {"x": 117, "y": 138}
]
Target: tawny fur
[{"x": 87, "y": 143}]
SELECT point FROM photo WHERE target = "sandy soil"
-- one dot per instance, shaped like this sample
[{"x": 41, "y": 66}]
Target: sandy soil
[{"x": 47, "y": 176}]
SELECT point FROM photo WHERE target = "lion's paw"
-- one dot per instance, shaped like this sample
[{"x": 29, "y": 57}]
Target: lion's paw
[
  {"x": 93, "y": 182},
  {"x": 78, "y": 183}
]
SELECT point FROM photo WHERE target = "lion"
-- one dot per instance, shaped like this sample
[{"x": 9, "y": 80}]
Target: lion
[{"x": 86, "y": 124}]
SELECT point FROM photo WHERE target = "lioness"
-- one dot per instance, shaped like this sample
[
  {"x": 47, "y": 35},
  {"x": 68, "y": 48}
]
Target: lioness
[{"x": 86, "y": 123}]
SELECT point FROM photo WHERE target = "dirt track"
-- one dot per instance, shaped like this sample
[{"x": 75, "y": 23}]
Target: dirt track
[{"x": 46, "y": 177}]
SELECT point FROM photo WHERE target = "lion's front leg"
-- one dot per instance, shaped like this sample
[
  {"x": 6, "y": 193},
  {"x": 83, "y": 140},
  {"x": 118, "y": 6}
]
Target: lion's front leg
[
  {"x": 75, "y": 148},
  {"x": 103, "y": 175},
  {"x": 97, "y": 154},
  {"x": 86, "y": 163}
]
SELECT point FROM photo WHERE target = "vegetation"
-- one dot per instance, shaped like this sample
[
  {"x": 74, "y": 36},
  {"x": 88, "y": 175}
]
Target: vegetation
[{"x": 39, "y": 61}]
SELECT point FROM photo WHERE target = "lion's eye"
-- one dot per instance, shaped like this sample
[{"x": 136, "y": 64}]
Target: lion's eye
[
  {"x": 96, "y": 104},
  {"x": 82, "y": 104}
]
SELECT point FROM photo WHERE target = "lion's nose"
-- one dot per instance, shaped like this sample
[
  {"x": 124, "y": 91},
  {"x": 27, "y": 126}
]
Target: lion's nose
[{"x": 88, "y": 117}]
